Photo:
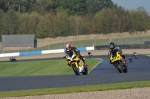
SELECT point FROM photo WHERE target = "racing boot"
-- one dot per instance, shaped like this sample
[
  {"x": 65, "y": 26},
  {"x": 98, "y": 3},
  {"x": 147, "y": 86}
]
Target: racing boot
[
  {"x": 83, "y": 59},
  {"x": 84, "y": 63}
]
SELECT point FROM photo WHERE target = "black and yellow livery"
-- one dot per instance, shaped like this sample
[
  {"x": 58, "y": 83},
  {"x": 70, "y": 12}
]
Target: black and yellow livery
[
  {"x": 118, "y": 62},
  {"x": 77, "y": 64}
]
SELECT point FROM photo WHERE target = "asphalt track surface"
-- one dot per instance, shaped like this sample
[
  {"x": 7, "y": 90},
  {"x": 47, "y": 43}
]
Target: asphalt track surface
[{"x": 103, "y": 73}]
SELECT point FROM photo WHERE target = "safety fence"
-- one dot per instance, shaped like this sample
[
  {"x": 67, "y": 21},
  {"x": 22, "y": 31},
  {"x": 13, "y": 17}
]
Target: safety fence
[
  {"x": 129, "y": 46},
  {"x": 81, "y": 41},
  {"x": 42, "y": 52}
]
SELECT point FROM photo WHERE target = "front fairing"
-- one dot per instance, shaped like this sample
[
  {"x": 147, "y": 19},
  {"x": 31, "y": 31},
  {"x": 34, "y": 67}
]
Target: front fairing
[
  {"x": 116, "y": 57},
  {"x": 74, "y": 60}
]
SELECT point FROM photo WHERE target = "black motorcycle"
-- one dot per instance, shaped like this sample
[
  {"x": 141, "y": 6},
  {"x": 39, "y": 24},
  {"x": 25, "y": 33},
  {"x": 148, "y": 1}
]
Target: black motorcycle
[
  {"x": 12, "y": 59},
  {"x": 135, "y": 55},
  {"x": 90, "y": 54},
  {"x": 118, "y": 62}
]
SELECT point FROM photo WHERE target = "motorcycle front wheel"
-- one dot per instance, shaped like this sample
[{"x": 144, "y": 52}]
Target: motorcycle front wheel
[
  {"x": 75, "y": 69},
  {"x": 119, "y": 68}
]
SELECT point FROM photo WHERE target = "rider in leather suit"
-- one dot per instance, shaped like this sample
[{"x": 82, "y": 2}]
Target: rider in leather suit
[
  {"x": 114, "y": 49},
  {"x": 70, "y": 49}
]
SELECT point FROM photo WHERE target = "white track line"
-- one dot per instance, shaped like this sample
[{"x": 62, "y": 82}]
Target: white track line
[{"x": 96, "y": 65}]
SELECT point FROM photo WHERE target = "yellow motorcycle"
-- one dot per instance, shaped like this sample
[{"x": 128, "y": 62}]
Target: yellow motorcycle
[
  {"x": 77, "y": 64},
  {"x": 118, "y": 62}
]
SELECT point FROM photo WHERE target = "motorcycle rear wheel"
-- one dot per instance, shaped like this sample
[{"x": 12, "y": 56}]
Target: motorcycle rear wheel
[
  {"x": 85, "y": 71},
  {"x": 125, "y": 69}
]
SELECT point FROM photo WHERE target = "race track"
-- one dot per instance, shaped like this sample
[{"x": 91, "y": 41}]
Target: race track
[{"x": 138, "y": 70}]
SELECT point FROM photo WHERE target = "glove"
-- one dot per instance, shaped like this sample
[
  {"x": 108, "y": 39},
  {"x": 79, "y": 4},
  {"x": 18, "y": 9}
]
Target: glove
[{"x": 69, "y": 64}]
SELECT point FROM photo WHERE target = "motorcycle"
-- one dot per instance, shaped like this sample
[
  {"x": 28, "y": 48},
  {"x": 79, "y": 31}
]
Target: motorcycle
[
  {"x": 130, "y": 58},
  {"x": 77, "y": 64},
  {"x": 118, "y": 62},
  {"x": 90, "y": 54},
  {"x": 12, "y": 59},
  {"x": 135, "y": 55}
]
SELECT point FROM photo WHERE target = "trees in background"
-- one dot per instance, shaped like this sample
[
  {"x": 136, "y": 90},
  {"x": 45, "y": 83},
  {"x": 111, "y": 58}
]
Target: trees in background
[
  {"x": 139, "y": 20},
  {"x": 10, "y": 23},
  {"x": 53, "y": 18},
  {"x": 94, "y": 6}
]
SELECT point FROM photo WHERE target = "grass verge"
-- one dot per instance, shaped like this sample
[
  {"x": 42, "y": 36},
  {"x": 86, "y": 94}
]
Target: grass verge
[
  {"x": 75, "y": 89},
  {"x": 40, "y": 67}
]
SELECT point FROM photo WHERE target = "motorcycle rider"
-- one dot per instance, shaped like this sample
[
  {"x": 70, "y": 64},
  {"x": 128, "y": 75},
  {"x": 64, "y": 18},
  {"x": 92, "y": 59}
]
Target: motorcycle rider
[
  {"x": 135, "y": 54},
  {"x": 90, "y": 54},
  {"x": 130, "y": 57},
  {"x": 114, "y": 49},
  {"x": 13, "y": 58},
  {"x": 70, "y": 49}
]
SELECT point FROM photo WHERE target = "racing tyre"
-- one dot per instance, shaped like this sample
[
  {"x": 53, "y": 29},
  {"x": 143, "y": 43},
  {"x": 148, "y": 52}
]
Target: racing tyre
[
  {"x": 125, "y": 69},
  {"x": 119, "y": 68},
  {"x": 76, "y": 71},
  {"x": 85, "y": 71}
]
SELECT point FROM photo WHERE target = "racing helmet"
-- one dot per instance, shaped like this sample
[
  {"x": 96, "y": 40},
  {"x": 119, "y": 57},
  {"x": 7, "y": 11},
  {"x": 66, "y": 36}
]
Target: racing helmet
[
  {"x": 68, "y": 47},
  {"x": 112, "y": 45}
]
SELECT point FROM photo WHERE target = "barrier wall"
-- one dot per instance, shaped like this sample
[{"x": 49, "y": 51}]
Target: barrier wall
[
  {"x": 30, "y": 53},
  {"x": 42, "y": 52},
  {"x": 52, "y": 51},
  {"x": 9, "y": 54}
]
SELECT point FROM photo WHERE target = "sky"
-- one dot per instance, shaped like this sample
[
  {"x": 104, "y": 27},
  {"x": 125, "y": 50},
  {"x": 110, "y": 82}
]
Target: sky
[{"x": 134, "y": 4}]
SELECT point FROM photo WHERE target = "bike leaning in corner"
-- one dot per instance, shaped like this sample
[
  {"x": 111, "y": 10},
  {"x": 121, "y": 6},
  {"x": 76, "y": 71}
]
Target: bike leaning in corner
[
  {"x": 13, "y": 59},
  {"x": 90, "y": 54},
  {"x": 130, "y": 58},
  {"x": 118, "y": 62},
  {"x": 77, "y": 64},
  {"x": 135, "y": 55}
]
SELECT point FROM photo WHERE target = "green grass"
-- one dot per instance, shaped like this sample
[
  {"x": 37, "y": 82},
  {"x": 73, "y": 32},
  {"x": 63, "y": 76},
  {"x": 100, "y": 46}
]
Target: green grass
[
  {"x": 86, "y": 88},
  {"x": 40, "y": 67}
]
